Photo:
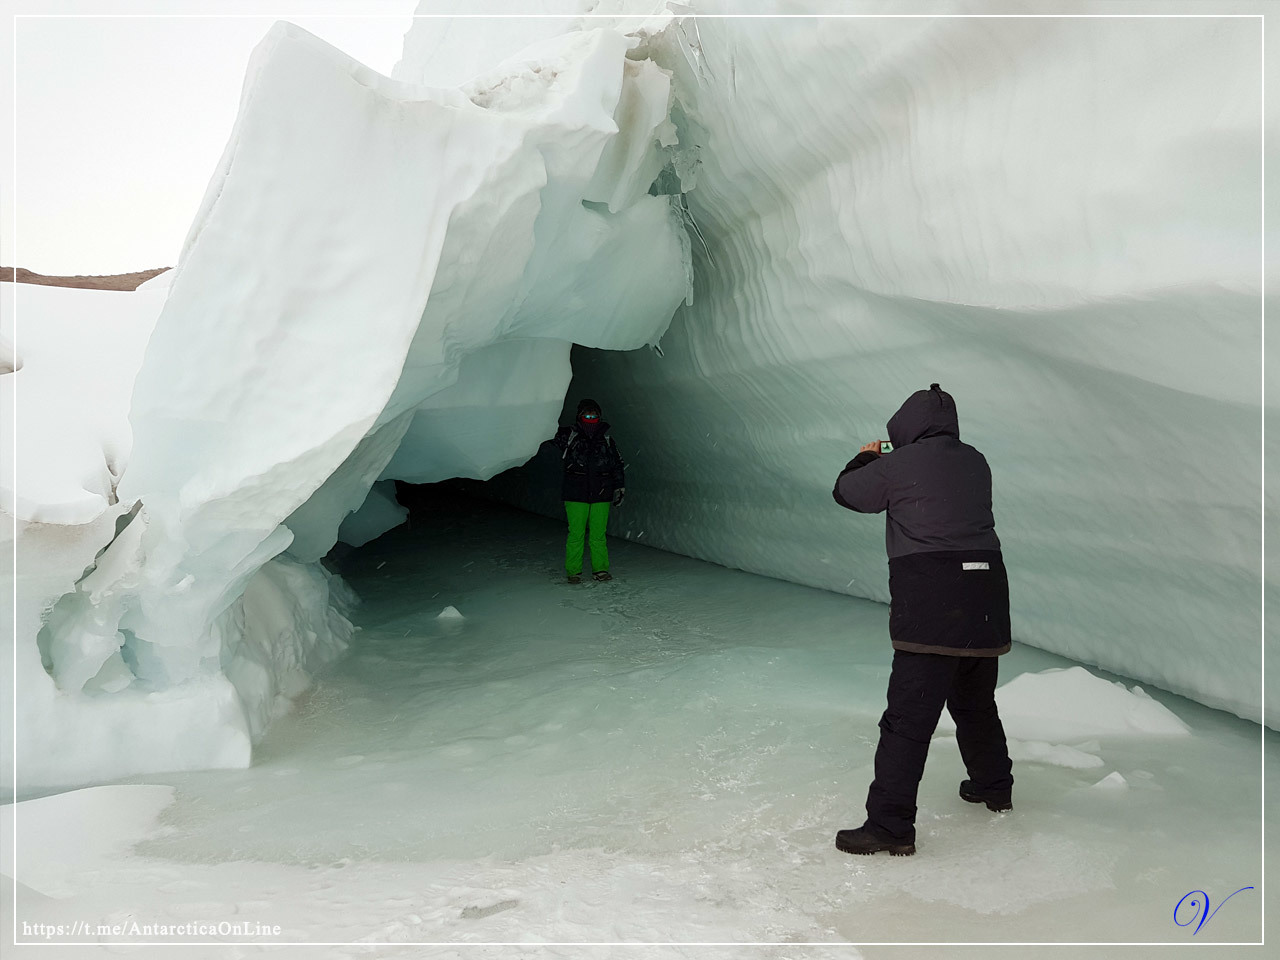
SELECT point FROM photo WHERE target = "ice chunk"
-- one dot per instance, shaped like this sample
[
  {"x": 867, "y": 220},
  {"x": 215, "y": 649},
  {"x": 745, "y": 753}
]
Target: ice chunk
[
  {"x": 1112, "y": 783},
  {"x": 1070, "y": 704},
  {"x": 287, "y": 624},
  {"x": 378, "y": 514},
  {"x": 450, "y": 613}
]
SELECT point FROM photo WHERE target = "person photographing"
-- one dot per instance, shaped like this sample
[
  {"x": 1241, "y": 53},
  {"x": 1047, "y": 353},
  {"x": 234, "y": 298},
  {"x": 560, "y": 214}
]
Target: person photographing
[{"x": 948, "y": 617}]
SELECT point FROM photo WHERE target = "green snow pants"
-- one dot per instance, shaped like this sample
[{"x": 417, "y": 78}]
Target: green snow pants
[{"x": 580, "y": 514}]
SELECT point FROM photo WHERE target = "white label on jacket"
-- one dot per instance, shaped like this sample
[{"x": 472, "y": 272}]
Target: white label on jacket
[{"x": 976, "y": 566}]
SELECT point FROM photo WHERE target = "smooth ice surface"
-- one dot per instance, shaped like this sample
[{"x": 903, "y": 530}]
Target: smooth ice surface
[
  {"x": 1055, "y": 218},
  {"x": 663, "y": 757}
]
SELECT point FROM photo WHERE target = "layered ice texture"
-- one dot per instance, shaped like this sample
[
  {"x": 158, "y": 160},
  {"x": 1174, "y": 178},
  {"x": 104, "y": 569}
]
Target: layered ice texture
[
  {"x": 1057, "y": 219},
  {"x": 379, "y": 269}
]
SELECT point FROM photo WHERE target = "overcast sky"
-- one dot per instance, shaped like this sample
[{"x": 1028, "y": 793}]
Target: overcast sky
[{"x": 120, "y": 121}]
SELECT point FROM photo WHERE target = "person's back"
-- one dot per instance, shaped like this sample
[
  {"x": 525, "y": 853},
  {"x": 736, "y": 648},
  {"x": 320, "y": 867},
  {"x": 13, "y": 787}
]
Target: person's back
[
  {"x": 936, "y": 489},
  {"x": 939, "y": 498}
]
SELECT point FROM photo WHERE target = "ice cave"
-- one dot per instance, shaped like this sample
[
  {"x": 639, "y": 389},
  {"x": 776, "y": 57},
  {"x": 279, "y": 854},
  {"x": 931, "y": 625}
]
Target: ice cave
[{"x": 291, "y": 636}]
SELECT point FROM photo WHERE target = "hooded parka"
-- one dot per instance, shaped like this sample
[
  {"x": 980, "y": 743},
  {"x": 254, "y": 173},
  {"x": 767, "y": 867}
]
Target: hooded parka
[{"x": 950, "y": 593}]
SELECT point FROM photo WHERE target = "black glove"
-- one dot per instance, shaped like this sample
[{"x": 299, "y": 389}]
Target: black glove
[{"x": 618, "y": 495}]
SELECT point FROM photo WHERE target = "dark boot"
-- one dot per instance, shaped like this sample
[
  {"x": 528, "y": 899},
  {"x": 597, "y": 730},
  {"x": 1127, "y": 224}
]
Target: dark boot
[
  {"x": 574, "y": 578},
  {"x": 995, "y": 800},
  {"x": 864, "y": 841},
  {"x": 602, "y": 575}
]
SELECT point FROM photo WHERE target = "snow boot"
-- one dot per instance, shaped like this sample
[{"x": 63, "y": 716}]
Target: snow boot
[
  {"x": 996, "y": 802},
  {"x": 864, "y": 841},
  {"x": 574, "y": 578},
  {"x": 602, "y": 575}
]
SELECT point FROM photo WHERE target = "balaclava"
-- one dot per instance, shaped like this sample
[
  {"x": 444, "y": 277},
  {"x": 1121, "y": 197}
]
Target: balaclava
[{"x": 589, "y": 417}]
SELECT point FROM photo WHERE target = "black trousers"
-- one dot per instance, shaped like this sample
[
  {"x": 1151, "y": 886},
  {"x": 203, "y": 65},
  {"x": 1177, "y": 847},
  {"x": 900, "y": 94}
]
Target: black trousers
[{"x": 919, "y": 685}]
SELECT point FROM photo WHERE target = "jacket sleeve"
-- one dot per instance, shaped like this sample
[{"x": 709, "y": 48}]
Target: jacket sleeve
[
  {"x": 860, "y": 489},
  {"x": 619, "y": 475},
  {"x": 561, "y": 439}
]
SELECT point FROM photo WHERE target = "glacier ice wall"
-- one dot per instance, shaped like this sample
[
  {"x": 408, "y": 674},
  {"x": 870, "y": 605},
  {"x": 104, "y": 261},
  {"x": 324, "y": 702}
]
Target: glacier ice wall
[
  {"x": 1057, "y": 219},
  {"x": 373, "y": 262}
]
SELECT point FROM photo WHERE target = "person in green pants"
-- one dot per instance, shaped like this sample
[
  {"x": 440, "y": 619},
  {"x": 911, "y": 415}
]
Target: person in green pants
[{"x": 593, "y": 480}]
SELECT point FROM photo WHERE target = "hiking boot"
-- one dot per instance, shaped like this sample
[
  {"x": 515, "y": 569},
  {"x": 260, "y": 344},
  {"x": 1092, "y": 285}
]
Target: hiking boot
[
  {"x": 574, "y": 578},
  {"x": 864, "y": 841},
  {"x": 602, "y": 575},
  {"x": 997, "y": 802}
]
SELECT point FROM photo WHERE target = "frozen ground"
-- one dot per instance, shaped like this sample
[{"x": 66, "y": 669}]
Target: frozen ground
[{"x": 664, "y": 757}]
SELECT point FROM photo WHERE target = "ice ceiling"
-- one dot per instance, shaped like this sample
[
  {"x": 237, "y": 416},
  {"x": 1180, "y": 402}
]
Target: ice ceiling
[{"x": 1057, "y": 219}]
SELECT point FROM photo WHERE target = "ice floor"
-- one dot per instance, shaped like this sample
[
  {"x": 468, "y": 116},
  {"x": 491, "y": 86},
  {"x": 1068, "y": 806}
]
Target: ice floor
[{"x": 661, "y": 758}]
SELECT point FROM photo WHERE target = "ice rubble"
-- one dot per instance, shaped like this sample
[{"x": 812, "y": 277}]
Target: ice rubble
[{"x": 371, "y": 257}]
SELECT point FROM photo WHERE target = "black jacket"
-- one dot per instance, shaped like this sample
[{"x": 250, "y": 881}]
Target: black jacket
[
  {"x": 949, "y": 588},
  {"x": 593, "y": 469},
  {"x": 937, "y": 490}
]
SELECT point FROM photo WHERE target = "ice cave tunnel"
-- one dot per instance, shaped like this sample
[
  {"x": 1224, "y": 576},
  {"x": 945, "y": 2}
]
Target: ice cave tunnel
[{"x": 750, "y": 240}]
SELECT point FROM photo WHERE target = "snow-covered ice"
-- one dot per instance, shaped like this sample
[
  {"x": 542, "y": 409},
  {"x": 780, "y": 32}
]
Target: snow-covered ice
[
  {"x": 664, "y": 757},
  {"x": 80, "y": 353}
]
